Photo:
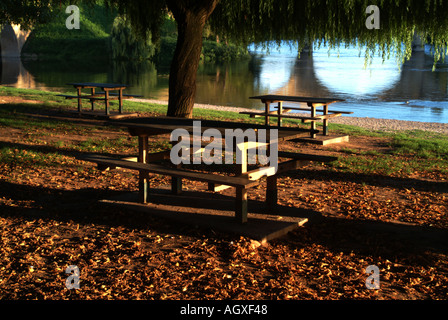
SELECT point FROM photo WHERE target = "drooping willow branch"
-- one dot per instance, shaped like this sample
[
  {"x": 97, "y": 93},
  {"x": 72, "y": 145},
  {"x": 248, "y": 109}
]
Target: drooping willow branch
[{"x": 336, "y": 22}]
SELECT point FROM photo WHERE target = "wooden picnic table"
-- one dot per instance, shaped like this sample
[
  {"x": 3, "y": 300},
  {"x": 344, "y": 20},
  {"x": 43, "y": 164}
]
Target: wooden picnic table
[
  {"x": 105, "y": 95},
  {"x": 313, "y": 104},
  {"x": 244, "y": 179}
]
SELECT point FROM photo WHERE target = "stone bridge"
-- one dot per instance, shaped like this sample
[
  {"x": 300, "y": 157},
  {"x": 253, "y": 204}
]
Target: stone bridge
[
  {"x": 12, "y": 72},
  {"x": 12, "y": 39}
]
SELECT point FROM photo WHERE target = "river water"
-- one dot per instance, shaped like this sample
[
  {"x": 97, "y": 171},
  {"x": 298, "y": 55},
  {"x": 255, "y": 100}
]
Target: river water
[{"x": 388, "y": 90}]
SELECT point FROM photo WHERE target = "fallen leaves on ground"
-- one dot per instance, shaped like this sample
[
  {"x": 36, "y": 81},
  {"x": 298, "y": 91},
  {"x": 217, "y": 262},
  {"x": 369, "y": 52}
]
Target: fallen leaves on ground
[{"x": 50, "y": 219}]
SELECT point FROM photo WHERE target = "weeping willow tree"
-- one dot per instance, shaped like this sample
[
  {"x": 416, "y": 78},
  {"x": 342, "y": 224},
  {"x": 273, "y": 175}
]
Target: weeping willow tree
[
  {"x": 191, "y": 17},
  {"x": 337, "y": 22},
  {"x": 125, "y": 45},
  {"x": 329, "y": 22}
]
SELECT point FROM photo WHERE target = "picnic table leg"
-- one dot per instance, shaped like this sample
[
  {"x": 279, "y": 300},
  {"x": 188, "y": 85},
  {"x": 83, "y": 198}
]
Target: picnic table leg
[
  {"x": 241, "y": 192},
  {"x": 241, "y": 204},
  {"x": 325, "y": 122},
  {"x": 120, "y": 101},
  {"x": 143, "y": 175},
  {"x": 79, "y": 99},
  {"x": 267, "y": 107},
  {"x": 106, "y": 95},
  {"x": 93, "y": 101},
  {"x": 280, "y": 111},
  {"x": 313, "y": 123},
  {"x": 176, "y": 183},
  {"x": 241, "y": 168},
  {"x": 271, "y": 191},
  {"x": 271, "y": 187}
]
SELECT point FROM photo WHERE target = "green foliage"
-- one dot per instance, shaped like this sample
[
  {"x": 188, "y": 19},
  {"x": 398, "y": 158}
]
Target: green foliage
[
  {"x": 335, "y": 22},
  {"x": 214, "y": 51},
  {"x": 145, "y": 16},
  {"x": 166, "y": 50},
  {"x": 126, "y": 45},
  {"x": 25, "y": 12},
  {"x": 53, "y": 40}
]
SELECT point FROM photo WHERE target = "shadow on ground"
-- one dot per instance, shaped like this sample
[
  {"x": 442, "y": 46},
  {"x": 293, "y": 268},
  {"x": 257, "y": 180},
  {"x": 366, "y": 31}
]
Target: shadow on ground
[{"x": 82, "y": 206}]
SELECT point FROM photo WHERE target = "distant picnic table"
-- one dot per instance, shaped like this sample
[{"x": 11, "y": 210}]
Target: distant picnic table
[
  {"x": 105, "y": 95},
  {"x": 313, "y": 104}
]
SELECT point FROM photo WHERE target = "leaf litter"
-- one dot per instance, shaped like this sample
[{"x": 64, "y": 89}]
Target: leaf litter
[{"x": 50, "y": 219}]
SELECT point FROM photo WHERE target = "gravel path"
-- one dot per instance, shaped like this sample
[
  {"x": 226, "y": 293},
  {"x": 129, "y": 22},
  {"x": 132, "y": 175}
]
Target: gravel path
[{"x": 387, "y": 125}]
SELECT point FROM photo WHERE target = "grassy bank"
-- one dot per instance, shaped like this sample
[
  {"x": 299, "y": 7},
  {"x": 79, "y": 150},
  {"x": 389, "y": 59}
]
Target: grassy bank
[
  {"x": 53, "y": 40},
  {"x": 401, "y": 153}
]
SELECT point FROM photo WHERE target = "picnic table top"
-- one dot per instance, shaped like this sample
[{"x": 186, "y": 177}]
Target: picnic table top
[
  {"x": 94, "y": 84},
  {"x": 273, "y": 98},
  {"x": 161, "y": 125}
]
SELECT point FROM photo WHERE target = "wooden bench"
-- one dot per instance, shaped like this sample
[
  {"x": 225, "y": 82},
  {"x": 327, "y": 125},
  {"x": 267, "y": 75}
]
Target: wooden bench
[
  {"x": 240, "y": 183},
  {"x": 97, "y": 94},
  {"x": 254, "y": 114},
  {"x": 304, "y": 119},
  {"x": 287, "y": 109},
  {"x": 124, "y": 94}
]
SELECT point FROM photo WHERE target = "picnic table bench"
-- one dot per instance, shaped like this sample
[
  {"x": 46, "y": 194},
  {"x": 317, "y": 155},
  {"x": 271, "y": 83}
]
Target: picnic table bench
[
  {"x": 283, "y": 111},
  {"x": 242, "y": 181},
  {"x": 105, "y": 95}
]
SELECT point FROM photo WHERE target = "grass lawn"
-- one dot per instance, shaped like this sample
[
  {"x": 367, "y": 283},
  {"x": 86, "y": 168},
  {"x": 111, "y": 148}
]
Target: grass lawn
[{"x": 384, "y": 203}]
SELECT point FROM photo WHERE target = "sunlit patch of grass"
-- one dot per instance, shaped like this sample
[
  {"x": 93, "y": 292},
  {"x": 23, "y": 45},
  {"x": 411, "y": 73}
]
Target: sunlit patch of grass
[
  {"x": 421, "y": 144},
  {"x": 389, "y": 165}
]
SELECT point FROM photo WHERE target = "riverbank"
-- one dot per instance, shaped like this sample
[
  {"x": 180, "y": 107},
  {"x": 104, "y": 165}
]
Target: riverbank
[
  {"x": 16, "y": 95},
  {"x": 376, "y": 124}
]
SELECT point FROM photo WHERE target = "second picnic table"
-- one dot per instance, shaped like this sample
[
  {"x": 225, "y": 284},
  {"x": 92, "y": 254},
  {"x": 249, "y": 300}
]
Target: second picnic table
[
  {"x": 312, "y": 102},
  {"x": 105, "y": 95}
]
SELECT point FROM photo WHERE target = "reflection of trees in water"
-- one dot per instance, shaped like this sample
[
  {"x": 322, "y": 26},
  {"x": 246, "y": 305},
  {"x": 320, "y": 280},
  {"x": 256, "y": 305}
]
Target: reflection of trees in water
[
  {"x": 419, "y": 82},
  {"x": 228, "y": 83},
  {"x": 134, "y": 73},
  {"x": 302, "y": 80},
  {"x": 140, "y": 76},
  {"x": 56, "y": 73},
  {"x": 255, "y": 65},
  {"x": 225, "y": 84},
  {"x": 71, "y": 66},
  {"x": 13, "y": 73}
]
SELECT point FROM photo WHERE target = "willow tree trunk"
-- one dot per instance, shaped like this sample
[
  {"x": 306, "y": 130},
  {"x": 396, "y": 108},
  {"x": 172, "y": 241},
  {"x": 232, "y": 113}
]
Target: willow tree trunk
[{"x": 191, "y": 17}]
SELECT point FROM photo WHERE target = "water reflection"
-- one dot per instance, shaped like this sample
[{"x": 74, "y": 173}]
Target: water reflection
[
  {"x": 412, "y": 91},
  {"x": 275, "y": 72},
  {"x": 418, "y": 82},
  {"x": 229, "y": 84},
  {"x": 13, "y": 73},
  {"x": 382, "y": 91},
  {"x": 345, "y": 73}
]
